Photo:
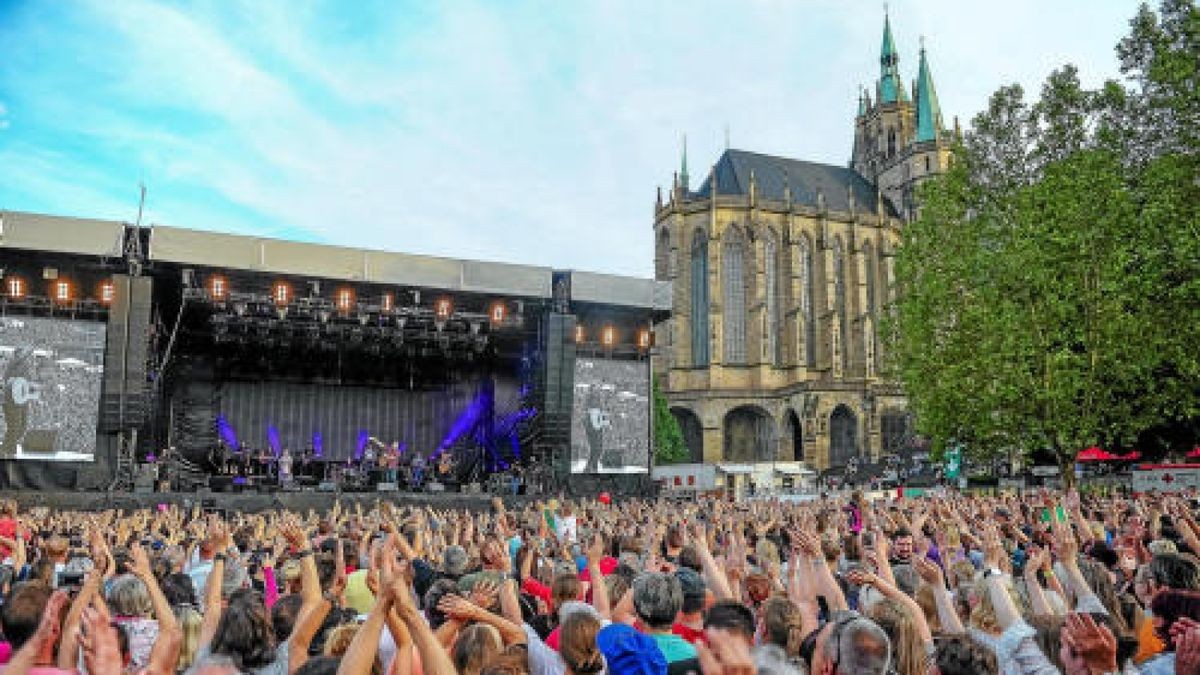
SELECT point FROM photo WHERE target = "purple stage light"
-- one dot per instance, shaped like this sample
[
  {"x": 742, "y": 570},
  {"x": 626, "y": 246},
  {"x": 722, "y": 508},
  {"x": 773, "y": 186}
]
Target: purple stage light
[
  {"x": 363, "y": 437},
  {"x": 226, "y": 432},
  {"x": 273, "y": 439},
  {"x": 318, "y": 444}
]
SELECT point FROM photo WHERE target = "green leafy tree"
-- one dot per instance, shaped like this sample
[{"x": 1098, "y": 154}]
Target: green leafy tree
[
  {"x": 1048, "y": 292},
  {"x": 669, "y": 447}
]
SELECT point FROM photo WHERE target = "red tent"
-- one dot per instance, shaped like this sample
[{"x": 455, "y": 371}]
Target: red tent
[
  {"x": 1194, "y": 453},
  {"x": 1095, "y": 454},
  {"x": 1132, "y": 456}
]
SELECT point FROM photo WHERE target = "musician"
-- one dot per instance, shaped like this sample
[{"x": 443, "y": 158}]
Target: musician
[
  {"x": 445, "y": 466},
  {"x": 595, "y": 422},
  {"x": 285, "y": 467},
  {"x": 418, "y": 470},
  {"x": 390, "y": 461},
  {"x": 368, "y": 456},
  {"x": 19, "y": 391}
]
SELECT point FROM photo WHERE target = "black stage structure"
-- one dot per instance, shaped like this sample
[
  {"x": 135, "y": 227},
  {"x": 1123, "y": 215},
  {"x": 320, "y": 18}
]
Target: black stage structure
[{"x": 212, "y": 356}]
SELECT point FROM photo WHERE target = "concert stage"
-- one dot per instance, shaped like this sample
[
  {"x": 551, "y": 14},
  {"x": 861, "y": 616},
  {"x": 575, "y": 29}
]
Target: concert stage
[
  {"x": 130, "y": 350},
  {"x": 252, "y": 502}
]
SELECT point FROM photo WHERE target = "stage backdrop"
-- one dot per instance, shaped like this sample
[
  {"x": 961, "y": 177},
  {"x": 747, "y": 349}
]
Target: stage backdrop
[
  {"x": 51, "y": 400},
  {"x": 610, "y": 422},
  {"x": 340, "y": 414}
]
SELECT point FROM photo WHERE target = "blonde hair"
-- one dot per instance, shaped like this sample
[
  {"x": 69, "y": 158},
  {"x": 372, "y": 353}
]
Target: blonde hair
[
  {"x": 783, "y": 625},
  {"x": 189, "y": 624},
  {"x": 338, "y": 643},
  {"x": 477, "y": 645},
  {"x": 908, "y": 652},
  {"x": 130, "y": 597},
  {"x": 577, "y": 644}
]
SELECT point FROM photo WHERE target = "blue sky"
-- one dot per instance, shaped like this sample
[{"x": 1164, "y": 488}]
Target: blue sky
[{"x": 531, "y": 132}]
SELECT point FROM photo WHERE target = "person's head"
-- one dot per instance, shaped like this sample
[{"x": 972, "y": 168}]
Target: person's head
[
  {"x": 675, "y": 537},
  {"x": 577, "y": 644},
  {"x": 507, "y": 663},
  {"x": 902, "y": 543},
  {"x": 284, "y": 613},
  {"x": 337, "y": 643},
  {"x": 190, "y": 621},
  {"x": 782, "y": 625},
  {"x": 732, "y": 616},
  {"x": 901, "y": 627},
  {"x": 617, "y": 586},
  {"x": 320, "y": 665},
  {"x": 657, "y": 599},
  {"x": 234, "y": 579},
  {"x": 179, "y": 590},
  {"x": 689, "y": 557},
  {"x": 437, "y": 590},
  {"x": 245, "y": 633},
  {"x": 850, "y": 645},
  {"x": 57, "y": 548},
  {"x": 10, "y": 508},
  {"x": 694, "y": 590},
  {"x": 1100, "y": 580},
  {"x": 1169, "y": 606},
  {"x": 130, "y": 597},
  {"x": 454, "y": 561},
  {"x": 477, "y": 644},
  {"x": 564, "y": 588},
  {"x": 22, "y": 611},
  {"x": 1173, "y": 571},
  {"x": 962, "y": 655}
]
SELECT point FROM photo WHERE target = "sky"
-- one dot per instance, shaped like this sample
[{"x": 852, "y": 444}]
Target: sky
[{"x": 528, "y": 132}]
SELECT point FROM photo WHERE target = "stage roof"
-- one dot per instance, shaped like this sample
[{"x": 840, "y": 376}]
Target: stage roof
[
  {"x": 322, "y": 261},
  {"x": 60, "y": 234}
]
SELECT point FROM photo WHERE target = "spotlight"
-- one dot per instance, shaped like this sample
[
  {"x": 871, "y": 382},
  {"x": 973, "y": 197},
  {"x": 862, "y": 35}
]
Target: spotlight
[
  {"x": 443, "y": 309},
  {"x": 498, "y": 312},
  {"x": 387, "y": 302},
  {"x": 15, "y": 288},
  {"x": 282, "y": 293},
  {"x": 107, "y": 291},
  {"x": 609, "y": 336},
  {"x": 218, "y": 288},
  {"x": 579, "y": 334},
  {"x": 644, "y": 338},
  {"x": 62, "y": 291},
  {"x": 345, "y": 299}
]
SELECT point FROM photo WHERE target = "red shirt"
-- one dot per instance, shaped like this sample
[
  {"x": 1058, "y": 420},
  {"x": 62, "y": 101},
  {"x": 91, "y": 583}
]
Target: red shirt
[
  {"x": 691, "y": 635},
  {"x": 607, "y": 565},
  {"x": 8, "y": 530}
]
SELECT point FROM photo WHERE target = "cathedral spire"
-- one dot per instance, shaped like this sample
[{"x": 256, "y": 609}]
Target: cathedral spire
[
  {"x": 683, "y": 172},
  {"x": 929, "y": 113},
  {"x": 890, "y": 88}
]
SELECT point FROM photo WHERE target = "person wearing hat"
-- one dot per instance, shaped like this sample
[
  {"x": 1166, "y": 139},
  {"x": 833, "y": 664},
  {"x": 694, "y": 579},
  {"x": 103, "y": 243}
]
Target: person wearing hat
[
  {"x": 690, "y": 623},
  {"x": 628, "y": 652},
  {"x": 454, "y": 567},
  {"x": 657, "y": 599}
]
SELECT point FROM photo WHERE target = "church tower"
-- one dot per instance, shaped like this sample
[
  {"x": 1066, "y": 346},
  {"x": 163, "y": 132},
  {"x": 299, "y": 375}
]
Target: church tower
[{"x": 899, "y": 140}]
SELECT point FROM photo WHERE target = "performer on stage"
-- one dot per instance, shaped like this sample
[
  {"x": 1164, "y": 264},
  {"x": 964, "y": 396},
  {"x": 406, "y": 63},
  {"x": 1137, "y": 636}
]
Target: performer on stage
[
  {"x": 390, "y": 461},
  {"x": 594, "y": 424},
  {"x": 418, "y": 471},
  {"x": 285, "y": 467},
  {"x": 19, "y": 391},
  {"x": 445, "y": 467}
]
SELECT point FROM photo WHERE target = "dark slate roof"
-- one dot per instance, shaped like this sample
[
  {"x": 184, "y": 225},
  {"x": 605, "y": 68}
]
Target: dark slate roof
[{"x": 805, "y": 178}]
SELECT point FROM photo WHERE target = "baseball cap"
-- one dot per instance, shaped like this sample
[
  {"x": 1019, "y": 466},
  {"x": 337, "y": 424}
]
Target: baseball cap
[
  {"x": 691, "y": 582},
  {"x": 628, "y": 652}
]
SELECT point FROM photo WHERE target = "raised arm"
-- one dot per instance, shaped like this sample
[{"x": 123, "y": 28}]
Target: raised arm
[
  {"x": 218, "y": 537},
  {"x": 313, "y": 607},
  {"x": 599, "y": 589},
  {"x": 931, "y": 574},
  {"x": 465, "y": 610},
  {"x": 361, "y": 654}
]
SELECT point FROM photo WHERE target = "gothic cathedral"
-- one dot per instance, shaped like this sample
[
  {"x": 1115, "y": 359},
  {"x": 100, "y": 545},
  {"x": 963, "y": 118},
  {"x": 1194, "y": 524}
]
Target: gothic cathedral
[{"x": 781, "y": 270}]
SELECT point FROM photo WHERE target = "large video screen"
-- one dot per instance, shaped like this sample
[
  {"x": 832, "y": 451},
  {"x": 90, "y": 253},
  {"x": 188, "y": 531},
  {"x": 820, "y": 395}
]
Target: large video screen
[
  {"x": 52, "y": 370},
  {"x": 610, "y": 422}
]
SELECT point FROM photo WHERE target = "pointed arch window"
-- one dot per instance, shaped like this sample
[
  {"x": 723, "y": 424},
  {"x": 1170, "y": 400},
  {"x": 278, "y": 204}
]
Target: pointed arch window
[
  {"x": 805, "y": 273},
  {"x": 734, "y": 297},
  {"x": 839, "y": 292},
  {"x": 700, "y": 300},
  {"x": 774, "y": 352},
  {"x": 870, "y": 263},
  {"x": 891, "y": 142}
]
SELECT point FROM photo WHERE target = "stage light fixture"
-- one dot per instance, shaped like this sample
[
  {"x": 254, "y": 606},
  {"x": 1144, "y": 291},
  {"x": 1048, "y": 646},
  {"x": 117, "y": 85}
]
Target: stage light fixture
[
  {"x": 609, "y": 336},
  {"x": 218, "y": 288},
  {"x": 62, "y": 291},
  {"x": 345, "y": 299},
  {"x": 443, "y": 308},
  {"x": 282, "y": 293},
  {"x": 15, "y": 288},
  {"x": 644, "y": 338},
  {"x": 498, "y": 312},
  {"x": 579, "y": 334},
  {"x": 388, "y": 302},
  {"x": 107, "y": 291}
]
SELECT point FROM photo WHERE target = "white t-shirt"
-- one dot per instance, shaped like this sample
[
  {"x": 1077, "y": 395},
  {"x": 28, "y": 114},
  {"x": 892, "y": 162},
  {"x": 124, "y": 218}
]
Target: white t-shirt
[{"x": 567, "y": 528}]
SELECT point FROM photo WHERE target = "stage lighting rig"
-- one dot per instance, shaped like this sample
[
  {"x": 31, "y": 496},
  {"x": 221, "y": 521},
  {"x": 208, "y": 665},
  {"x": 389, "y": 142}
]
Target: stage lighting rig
[
  {"x": 218, "y": 288},
  {"x": 107, "y": 292},
  {"x": 609, "y": 336},
  {"x": 15, "y": 288},
  {"x": 63, "y": 293}
]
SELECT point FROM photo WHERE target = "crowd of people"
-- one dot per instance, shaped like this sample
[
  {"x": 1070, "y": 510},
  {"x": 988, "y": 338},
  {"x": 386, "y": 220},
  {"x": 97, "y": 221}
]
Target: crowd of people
[{"x": 950, "y": 584}]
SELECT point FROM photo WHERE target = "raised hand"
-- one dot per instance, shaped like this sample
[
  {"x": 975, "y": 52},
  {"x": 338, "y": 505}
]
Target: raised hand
[
  {"x": 1095, "y": 643},
  {"x": 929, "y": 572},
  {"x": 140, "y": 562}
]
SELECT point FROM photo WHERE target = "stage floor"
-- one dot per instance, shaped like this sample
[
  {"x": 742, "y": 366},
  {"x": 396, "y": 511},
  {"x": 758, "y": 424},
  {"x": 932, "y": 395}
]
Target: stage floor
[{"x": 251, "y": 502}]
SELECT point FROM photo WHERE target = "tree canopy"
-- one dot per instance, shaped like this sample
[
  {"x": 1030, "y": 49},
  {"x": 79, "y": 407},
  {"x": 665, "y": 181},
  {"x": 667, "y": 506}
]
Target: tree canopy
[{"x": 1049, "y": 293}]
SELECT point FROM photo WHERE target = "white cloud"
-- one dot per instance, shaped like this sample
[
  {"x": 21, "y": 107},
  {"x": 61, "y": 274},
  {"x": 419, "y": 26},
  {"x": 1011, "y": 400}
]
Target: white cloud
[{"x": 530, "y": 133}]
